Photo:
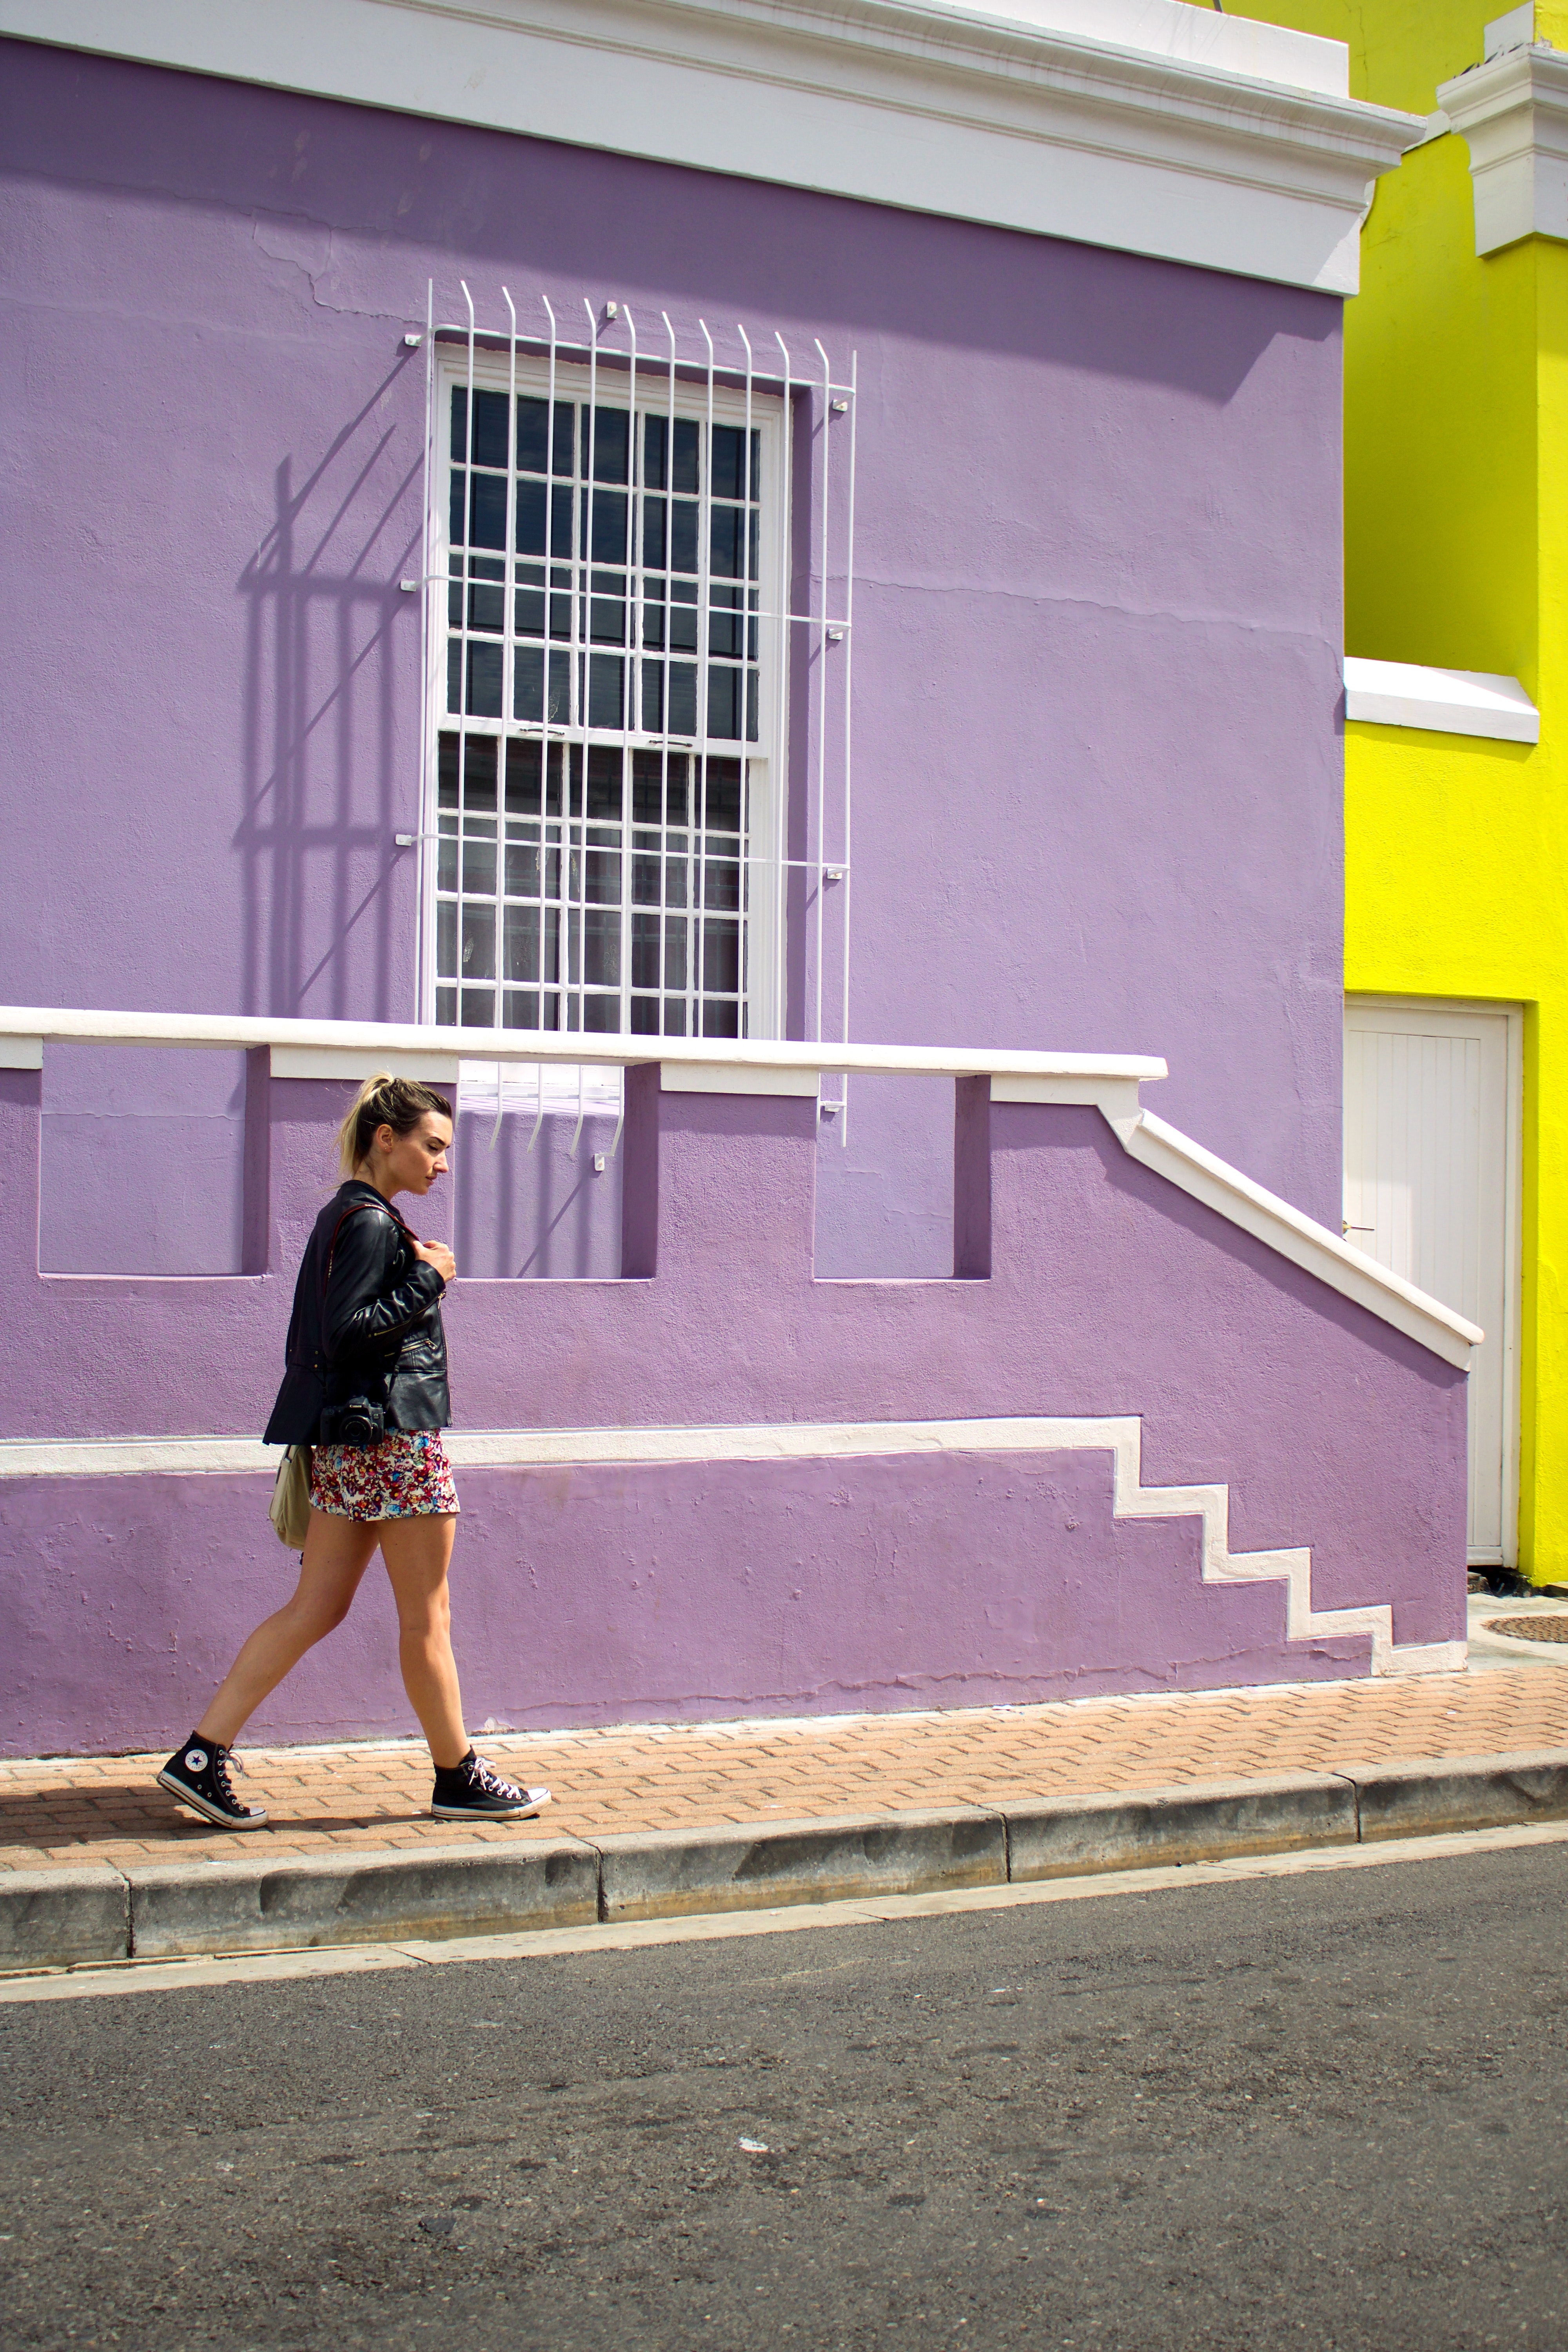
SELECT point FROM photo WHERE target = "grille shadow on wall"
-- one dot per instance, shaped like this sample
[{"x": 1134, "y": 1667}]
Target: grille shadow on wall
[{"x": 330, "y": 661}]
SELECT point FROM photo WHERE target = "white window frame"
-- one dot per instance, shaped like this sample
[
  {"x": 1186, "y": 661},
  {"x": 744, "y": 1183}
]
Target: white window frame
[{"x": 709, "y": 402}]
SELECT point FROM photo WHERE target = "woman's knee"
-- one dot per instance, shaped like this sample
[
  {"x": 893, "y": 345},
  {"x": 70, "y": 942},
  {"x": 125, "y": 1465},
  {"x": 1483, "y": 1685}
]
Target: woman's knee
[{"x": 309, "y": 1618}]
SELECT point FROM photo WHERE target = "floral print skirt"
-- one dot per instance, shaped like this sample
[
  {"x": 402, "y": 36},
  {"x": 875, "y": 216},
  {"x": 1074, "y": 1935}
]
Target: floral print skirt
[{"x": 407, "y": 1477}]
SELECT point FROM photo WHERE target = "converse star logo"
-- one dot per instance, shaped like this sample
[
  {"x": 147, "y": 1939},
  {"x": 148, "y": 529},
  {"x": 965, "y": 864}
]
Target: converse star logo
[{"x": 195, "y": 1759}]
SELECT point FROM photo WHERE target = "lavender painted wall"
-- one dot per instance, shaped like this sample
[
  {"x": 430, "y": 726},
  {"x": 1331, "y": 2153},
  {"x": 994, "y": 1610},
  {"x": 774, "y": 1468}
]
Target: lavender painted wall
[
  {"x": 703, "y": 1589},
  {"x": 1097, "y": 782}
]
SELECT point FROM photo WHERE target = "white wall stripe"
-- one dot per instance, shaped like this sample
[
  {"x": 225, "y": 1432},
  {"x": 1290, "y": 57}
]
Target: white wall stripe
[{"x": 1120, "y": 1436}]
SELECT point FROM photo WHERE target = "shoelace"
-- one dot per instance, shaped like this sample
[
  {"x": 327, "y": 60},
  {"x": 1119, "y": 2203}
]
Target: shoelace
[
  {"x": 221, "y": 1763},
  {"x": 485, "y": 1776}
]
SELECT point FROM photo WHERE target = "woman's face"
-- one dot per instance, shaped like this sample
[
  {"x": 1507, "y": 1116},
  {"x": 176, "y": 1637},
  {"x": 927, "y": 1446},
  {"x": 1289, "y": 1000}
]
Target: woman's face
[{"x": 411, "y": 1163}]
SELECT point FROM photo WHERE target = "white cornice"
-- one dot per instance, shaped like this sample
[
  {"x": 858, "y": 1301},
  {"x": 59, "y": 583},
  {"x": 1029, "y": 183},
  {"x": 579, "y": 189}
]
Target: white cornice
[
  {"x": 1514, "y": 113},
  {"x": 1157, "y": 145},
  {"x": 1444, "y": 701}
]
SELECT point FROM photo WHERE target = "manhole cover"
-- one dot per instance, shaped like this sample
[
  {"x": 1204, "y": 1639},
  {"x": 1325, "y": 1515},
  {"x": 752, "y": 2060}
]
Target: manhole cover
[{"x": 1530, "y": 1628}]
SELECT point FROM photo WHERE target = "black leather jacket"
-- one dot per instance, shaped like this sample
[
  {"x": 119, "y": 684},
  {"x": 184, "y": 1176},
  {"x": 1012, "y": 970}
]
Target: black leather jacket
[{"x": 372, "y": 1327}]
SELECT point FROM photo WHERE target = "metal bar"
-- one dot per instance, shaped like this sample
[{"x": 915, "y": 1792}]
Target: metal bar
[
  {"x": 846, "y": 682},
  {"x": 664, "y": 746},
  {"x": 743, "y": 878},
  {"x": 631, "y": 689},
  {"x": 425, "y": 886},
  {"x": 464, "y": 591},
  {"x": 822, "y": 690},
  {"x": 781, "y": 794},
  {"x": 544, "y": 691},
  {"x": 698, "y": 964}
]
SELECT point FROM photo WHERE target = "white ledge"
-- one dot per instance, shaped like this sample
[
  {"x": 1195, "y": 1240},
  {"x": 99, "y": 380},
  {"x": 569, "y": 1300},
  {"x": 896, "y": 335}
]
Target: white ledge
[
  {"x": 1445, "y": 701},
  {"x": 347, "y": 1048},
  {"x": 1108, "y": 1081},
  {"x": 1147, "y": 126},
  {"x": 1513, "y": 112}
]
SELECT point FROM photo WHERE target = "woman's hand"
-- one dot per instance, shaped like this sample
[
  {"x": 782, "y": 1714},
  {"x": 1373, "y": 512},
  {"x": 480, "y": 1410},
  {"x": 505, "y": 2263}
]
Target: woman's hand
[{"x": 438, "y": 1254}]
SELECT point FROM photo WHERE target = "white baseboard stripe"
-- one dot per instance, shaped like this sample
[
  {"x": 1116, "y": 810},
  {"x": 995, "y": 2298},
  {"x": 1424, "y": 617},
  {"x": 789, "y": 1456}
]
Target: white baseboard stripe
[{"x": 1120, "y": 1436}]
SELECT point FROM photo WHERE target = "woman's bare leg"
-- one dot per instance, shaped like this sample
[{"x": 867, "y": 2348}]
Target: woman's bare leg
[
  {"x": 417, "y": 1553},
  {"x": 337, "y": 1553}
]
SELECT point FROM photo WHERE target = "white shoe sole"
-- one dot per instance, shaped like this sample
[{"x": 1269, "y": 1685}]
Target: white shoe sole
[
  {"x": 255, "y": 1820},
  {"x": 537, "y": 1801}
]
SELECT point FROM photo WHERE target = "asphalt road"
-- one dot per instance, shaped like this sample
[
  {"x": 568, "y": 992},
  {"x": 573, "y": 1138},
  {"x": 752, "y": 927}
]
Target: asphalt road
[{"x": 1323, "y": 2110}]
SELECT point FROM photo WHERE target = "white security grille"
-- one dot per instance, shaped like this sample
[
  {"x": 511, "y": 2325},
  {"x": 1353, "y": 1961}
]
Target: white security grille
[{"x": 608, "y": 544}]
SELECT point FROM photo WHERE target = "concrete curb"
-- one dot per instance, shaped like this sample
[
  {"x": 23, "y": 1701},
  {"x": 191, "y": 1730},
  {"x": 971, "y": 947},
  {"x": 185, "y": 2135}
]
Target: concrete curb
[
  {"x": 755, "y": 1865},
  {"x": 51, "y": 1918}
]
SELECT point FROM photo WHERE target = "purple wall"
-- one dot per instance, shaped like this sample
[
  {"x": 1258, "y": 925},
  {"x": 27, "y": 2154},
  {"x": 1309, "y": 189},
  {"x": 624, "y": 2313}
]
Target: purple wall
[
  {"x": 710, "y": 1589},
  {"x": 1098, "y": 774}
]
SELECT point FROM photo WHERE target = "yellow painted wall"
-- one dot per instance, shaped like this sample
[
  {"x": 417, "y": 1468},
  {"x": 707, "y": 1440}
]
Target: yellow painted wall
[{"x": 1457, "y": 554}]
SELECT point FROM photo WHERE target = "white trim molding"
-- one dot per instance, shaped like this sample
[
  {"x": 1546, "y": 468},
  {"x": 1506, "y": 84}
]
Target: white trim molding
[
  {"x": 1444, "y": 701},
  {"x": 1514, "y": 113},
  {"x": 1120, "y": 1436},
  {"x": 1144, "y": 126},
  {"x": 775, "y": 1065}
]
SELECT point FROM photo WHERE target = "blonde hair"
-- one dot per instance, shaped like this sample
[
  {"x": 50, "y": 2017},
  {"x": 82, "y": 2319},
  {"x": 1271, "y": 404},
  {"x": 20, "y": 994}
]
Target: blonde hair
[{"x": 384, "y": 1101}]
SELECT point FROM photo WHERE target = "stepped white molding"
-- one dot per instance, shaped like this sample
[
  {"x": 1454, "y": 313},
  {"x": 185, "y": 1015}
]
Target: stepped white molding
[
  {"x": 1120, "y": 1436},
  {"x": 1514, "y": 113},
  {"x": 1146, "y": 126},
  {"x": 1111, "y": 1081},
  {"x": 1443, "y": 701}
]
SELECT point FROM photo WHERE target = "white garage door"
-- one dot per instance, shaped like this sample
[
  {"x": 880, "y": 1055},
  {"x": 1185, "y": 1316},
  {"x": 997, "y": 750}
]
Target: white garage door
[{"x": 1431, "y": 1174}]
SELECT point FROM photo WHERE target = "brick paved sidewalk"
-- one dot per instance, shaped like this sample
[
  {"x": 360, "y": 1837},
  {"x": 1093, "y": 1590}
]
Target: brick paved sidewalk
[{"x": 671, "y": 1777}]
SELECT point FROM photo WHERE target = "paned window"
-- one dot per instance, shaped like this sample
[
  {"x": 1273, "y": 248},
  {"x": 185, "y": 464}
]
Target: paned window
[{"x": 607, "y": 709}]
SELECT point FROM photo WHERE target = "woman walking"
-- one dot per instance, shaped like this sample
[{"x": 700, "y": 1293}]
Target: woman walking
[{"x": 365, "y": 1386}]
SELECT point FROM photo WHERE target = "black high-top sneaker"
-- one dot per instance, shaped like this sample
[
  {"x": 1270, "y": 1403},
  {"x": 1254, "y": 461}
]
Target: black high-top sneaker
[
  {"x": 474, "y": 1790},
  {"x": 198, "y": 1773}
]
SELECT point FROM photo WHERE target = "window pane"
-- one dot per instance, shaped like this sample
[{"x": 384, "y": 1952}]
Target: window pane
[
  {"x": 610, "y": 444},
  {"x": 480, "y": 761},
  {"x": 483, "y": 698},
  {"x": 532, "y": 423},
  {"x": 682, "y": 718},
  {"x": 720, "y": 961},
  {"x": 645, "y": 950},
  {"x": 533, "y": 499},
  {"x": 683, "y": 536},
  {"x": 725, "y": 539},
  {"x": 605, "y": 784},
  {"x": 487, "y": 509},
  {"x": 602, "y": 878},
  {"x": 522, "y": 870},
  {"x": 602, "y": 947},
  {"x": 478, "y": 869},
  {"x": 728, "y": 480},
  {"x": 479, "y": 943},
  {"x": 721, "y": 1020},
  {"x": 606, "y": 678},
  {"x": 478, "y": 1008},
  {"x": 489, "y": 427},
  {"x": 688, "y": 433},
  {"x": 723, "y": 701},
  {"x": 722, "y": 811},
  {"x": 521, "y": 946},
  {"x": 446, "y": 939},
  {"x": 606, "y": 522}
]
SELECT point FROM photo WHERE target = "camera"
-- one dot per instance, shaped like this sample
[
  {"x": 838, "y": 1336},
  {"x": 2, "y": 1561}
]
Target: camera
[{"x": 356, "y": 1422}]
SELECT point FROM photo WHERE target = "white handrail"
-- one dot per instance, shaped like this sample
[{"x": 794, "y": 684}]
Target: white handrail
[{"x": 388, "y": 1039}]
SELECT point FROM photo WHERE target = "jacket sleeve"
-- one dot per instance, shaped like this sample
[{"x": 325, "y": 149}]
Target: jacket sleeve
[{"x": 364, "y": 1307}]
